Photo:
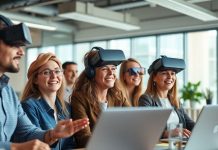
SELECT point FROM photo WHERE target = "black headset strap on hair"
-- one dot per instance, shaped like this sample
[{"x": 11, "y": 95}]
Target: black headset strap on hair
[
  {"x": 97, "y": 48},
  {"x": 7, "y": 21}
]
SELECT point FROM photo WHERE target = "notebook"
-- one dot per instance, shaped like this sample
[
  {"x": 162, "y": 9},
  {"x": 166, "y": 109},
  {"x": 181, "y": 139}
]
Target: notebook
[
  {"x": 205, "y": 133},
  {"x": 129, "y": 129}
]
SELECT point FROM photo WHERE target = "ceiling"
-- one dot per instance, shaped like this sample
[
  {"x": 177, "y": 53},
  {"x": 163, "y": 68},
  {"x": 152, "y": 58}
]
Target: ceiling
[{"x": 47, "y": 12}]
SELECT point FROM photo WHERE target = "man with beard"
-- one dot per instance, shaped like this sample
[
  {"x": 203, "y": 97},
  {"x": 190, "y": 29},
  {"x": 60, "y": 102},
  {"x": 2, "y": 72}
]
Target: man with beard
[
  {"x": 16, "y": 130},
  {"x": 70, "y": 73}
]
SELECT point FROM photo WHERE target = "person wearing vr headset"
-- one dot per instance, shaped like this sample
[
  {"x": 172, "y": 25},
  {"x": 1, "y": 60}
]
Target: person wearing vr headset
[
  {"x": 96, "y": 89},
  {"x": 16, "y": 130},
  {"x": 131, "y": 76},
  {"x": 162, "y": 92}
]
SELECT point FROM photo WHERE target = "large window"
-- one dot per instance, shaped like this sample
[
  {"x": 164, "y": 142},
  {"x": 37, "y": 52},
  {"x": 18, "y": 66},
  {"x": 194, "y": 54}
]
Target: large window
[{"x": 202, "y": 59}]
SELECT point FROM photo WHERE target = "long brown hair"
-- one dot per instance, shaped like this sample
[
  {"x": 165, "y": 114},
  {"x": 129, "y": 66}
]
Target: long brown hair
[
  {"x": 172, "y": 93},
  {"x": 32, "y": 90},
  {"x": 138, "y": 89},
  {"x": 86, "y": 87}
]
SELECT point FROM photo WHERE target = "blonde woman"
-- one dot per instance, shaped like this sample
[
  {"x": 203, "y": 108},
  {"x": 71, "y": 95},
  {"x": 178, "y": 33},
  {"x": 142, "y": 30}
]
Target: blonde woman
[
  {"x": 131, "y": 76},
  {"x": 42, "y": 99},
  {"x": 96, "y": 89}
]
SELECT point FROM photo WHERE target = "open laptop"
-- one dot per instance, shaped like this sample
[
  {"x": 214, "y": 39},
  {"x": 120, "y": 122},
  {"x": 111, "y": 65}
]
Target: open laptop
[
  {"x": 205, "y": 133},
  {"x": 129, "y": 129}
]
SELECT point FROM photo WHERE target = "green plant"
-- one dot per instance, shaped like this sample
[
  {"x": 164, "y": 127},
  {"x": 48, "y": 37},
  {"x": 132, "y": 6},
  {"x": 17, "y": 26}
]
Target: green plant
[
  {"x": 191, "y": 92},
  {"x": 208, "y": 95}
]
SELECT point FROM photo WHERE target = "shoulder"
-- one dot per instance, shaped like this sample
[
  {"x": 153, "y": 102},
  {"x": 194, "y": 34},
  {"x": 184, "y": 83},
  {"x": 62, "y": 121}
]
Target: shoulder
[
  {"x": 31, "y": 103},
  {"x": 146, "y": 99}
]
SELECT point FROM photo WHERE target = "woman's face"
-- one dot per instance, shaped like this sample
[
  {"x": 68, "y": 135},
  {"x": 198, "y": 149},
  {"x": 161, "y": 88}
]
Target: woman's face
[
  {"x": 49, "y": 78},
  {"x": 105, "y": 76},
  {"x": 132, "y": 79},
  {"x": 165, "y": 79}
]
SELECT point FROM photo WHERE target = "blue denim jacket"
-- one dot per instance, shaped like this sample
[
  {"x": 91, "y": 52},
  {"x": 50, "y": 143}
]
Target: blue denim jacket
[
  {"x": 42, "y": 115},
  {"x": 13, "y": 120}
]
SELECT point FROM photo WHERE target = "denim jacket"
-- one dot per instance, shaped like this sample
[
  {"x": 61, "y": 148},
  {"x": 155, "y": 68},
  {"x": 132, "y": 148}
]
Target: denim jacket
[{"x": 42, "y": 115}]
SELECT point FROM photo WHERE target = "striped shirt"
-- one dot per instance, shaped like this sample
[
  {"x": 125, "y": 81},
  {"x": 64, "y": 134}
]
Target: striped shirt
[{"x": 15, "y": 126}]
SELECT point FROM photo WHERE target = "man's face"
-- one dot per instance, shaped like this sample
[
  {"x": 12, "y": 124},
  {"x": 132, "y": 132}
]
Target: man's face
[
  {"x": 71, "y": 74},
  {"x": 10, "y": 57}
]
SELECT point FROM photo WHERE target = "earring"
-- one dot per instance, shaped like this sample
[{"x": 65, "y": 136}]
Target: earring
[{"x": 154, "y": 83}]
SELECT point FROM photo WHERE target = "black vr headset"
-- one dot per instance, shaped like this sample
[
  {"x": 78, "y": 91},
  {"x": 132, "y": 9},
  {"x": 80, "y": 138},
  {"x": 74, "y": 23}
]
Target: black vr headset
[
  {"x": 101, "y": 58},
  {"x": 15, "y": 35},
  {"x": 167, "y": 63}
]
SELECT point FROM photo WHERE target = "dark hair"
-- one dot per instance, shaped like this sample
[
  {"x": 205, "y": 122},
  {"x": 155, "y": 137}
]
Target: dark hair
[{"x": 64, "y": 66}]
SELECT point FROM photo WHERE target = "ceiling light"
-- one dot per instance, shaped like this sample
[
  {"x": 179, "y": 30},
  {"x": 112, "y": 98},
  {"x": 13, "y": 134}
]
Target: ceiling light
[
  {"x": 187, "y": 8},
  {"x": 87, "y": 12},
  {"x": 38, "y": 26}
]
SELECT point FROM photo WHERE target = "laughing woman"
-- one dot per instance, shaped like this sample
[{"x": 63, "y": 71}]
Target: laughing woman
[
  {"x": 42, "y": 99},
  {"x": 162, "y": 92},
  {"x": 96, "y": 89},
  {"x": 131, "y": 76}
]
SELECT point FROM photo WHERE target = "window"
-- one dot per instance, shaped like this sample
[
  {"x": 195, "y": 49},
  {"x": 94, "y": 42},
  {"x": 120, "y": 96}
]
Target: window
[
  {"x": 144, "y": 50},
  {"x": 202, "y": 59},
  {"x": 80, "y": 50},
  {"x": 65, "y": 52}
]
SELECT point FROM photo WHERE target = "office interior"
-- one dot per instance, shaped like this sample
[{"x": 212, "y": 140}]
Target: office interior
[{"x": 143, "y": 29}]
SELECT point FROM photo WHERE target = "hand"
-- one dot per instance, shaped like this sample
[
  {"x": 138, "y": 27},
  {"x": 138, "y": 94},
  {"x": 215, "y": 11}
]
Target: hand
[
  {"x": 186, "y": 133},
  {"x": 66, "y": 128},
  {"x": 30, "y": 145}
]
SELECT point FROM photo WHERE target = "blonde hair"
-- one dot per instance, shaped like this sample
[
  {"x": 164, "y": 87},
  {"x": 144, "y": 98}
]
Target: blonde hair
[
  {"x": 31, "y": 89},
  {"x": 138, "y": 89},
  {"x": 172, "y": 93},
  {"x": 86, "y": 87}
]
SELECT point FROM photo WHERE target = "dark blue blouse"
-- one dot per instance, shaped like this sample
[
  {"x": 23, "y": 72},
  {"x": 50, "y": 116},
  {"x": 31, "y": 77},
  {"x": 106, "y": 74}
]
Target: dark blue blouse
[{"x": 42, "y": 115}]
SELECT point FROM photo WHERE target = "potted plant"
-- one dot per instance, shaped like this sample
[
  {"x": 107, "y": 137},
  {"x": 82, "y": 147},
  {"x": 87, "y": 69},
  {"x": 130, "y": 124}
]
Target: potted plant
[
  {"x": 208, "y": 95},
  {"x": 191, "y": 92}
]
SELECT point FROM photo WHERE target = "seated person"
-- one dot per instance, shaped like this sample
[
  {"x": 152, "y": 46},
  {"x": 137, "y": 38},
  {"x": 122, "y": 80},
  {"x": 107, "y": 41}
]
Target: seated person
[
  {"x": 42, "y": 99},
  {"x": 131, "y": 76},
  {"x": 96, "y": 89},
  {"x": 162, "y": 92}
]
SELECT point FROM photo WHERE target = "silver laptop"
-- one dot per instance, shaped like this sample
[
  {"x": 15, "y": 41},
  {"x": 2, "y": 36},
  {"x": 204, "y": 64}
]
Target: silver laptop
[
  {"x": 205, "y": 133},
  {"x": 129, "y": 129}
]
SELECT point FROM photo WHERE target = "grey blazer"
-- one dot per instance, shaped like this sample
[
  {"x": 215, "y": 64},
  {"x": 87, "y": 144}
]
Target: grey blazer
[{"x": 149, "y": 101}]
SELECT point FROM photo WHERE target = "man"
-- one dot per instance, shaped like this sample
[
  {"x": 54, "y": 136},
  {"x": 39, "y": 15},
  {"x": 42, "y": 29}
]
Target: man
[
  {"x": 71, "y": 74},
  {"x": 14, "y": 123}
]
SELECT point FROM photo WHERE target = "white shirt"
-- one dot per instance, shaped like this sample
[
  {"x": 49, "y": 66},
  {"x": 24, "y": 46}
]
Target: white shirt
[
  {"x": 173, "y": 118},
  {"x": 103, "y": 105}
]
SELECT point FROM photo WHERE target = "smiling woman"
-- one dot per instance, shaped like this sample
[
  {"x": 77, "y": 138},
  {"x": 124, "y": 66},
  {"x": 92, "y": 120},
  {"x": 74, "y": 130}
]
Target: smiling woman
[
  {"x": 96, "y": 89},
  {"x": 42, "y": 99}
]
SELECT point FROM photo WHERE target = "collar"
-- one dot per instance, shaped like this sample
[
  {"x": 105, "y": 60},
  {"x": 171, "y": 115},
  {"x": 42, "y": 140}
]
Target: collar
[{"x": 3, "y": 81}]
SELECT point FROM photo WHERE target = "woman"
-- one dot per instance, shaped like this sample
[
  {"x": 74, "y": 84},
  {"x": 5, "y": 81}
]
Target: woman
[
  {"x": 162, "y": 92},
  {"x": 131, "y": 76},
  {"x": 96, "y": 89},
  {"x": 42, "y": 99}
]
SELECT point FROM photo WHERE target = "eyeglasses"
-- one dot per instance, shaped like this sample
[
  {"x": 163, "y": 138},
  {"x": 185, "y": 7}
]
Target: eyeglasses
[
  {"x": 136, "y": 70},
  {"x": 48, "y": 72}
]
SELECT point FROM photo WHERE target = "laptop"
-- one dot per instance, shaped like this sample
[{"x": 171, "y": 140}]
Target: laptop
[
  {"x": 205, "y": 133},
  {"x": 129, "y": 129}
]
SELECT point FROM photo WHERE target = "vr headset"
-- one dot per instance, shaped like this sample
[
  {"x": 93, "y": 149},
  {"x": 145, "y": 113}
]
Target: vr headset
[
  {"x": 136, "y": 70},
  {"x": 106, "y": 56},
  {"x": 167, "y": 63},
  {"x": 15, "y": 35}
]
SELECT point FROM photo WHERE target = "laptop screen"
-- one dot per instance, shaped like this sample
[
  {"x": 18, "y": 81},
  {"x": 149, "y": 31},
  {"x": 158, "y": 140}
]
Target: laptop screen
[
  {"x": 129, "y": 129},
  {"x": 205, "y": 133}
]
